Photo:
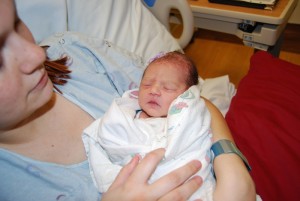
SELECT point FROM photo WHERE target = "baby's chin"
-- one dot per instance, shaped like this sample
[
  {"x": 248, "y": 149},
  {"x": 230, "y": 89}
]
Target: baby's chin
[{"x": 156, "y": 114}]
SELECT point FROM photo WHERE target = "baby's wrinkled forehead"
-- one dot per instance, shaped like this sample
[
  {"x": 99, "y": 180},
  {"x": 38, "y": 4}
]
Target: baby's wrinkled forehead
[{"x": 167, "y": 65}]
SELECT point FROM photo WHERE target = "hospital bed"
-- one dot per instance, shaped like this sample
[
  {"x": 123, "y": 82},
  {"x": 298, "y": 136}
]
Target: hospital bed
[{"x": 263, "y": 113}]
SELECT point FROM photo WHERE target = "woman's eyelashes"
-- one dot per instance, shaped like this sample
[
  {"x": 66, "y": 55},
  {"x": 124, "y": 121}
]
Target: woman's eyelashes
[
  {"x": 1, "y": 62},
  {"x": 1, "y": 51}
]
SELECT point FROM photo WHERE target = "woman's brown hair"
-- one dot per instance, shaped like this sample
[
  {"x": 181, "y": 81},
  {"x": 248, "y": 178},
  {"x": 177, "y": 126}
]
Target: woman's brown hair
[{"x": 58, "y": 71}]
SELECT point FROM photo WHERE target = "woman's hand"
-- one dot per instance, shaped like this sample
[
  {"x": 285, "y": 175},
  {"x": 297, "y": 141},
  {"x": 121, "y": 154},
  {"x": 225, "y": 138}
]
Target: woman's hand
[{"x": 132, "y": 181}]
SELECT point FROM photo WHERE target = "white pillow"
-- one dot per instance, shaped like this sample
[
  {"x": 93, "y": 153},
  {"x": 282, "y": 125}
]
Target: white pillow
[
  {"x": 127, "y": 23},
  {"x": 43, "y": 18}
]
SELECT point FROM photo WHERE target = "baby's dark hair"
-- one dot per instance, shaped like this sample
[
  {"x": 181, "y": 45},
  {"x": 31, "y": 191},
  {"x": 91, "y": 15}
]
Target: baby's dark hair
[{"x": 179, "y": 59}]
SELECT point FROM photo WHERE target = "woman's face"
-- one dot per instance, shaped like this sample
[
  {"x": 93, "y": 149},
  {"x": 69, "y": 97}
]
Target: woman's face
[{"x": 24, "y": 84}]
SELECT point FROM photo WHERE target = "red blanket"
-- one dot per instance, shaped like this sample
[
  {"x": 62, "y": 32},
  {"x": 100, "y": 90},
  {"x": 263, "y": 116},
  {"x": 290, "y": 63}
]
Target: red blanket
[{"x": 264, "y": 118}]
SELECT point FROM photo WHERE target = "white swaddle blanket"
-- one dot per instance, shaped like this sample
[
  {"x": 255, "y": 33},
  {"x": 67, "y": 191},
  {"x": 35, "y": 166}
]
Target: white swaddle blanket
[{"x": 111, "y": 141}]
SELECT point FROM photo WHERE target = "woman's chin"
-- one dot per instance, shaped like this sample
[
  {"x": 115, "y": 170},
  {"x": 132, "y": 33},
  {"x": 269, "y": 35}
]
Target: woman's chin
[{"x": 42, "y": 96}]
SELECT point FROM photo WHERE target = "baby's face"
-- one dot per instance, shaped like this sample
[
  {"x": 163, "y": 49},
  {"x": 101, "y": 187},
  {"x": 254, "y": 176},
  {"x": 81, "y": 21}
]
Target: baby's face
[{"x": 161, "y": 84}]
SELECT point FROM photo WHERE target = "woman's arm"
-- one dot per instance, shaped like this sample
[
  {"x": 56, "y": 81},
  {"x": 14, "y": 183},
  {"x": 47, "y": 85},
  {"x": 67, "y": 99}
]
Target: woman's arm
[
  {"x": 132, "y": 182},
  {"x": 234, "y": 183}
]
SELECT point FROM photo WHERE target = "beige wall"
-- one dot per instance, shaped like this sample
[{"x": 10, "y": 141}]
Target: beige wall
[{"x": 295, "y": 18}]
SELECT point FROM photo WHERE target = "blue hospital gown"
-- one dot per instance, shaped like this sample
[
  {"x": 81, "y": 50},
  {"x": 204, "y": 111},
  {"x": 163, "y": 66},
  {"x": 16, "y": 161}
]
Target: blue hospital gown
[{"x": 100, "y": 72}]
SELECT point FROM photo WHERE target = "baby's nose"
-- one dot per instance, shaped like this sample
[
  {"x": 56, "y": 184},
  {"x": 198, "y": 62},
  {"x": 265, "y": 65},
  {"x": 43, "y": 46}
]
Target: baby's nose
[{"x": 155, "y": 90}]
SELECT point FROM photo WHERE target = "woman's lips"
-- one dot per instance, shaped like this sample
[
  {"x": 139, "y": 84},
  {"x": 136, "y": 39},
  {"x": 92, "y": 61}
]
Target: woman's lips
[{"x": 42, "y": 82}]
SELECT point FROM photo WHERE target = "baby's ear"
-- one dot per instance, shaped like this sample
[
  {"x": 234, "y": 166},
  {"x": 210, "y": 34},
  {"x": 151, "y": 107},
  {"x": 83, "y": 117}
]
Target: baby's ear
[{"x": 134, "y": 94}]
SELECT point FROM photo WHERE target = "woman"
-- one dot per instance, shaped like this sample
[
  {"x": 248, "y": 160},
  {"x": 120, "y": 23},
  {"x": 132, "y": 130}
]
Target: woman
[{"x": 41, "y": 152}]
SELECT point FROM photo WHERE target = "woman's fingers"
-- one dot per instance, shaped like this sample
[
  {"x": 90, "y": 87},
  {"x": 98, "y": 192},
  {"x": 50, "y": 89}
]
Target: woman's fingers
[
  {"x": 138, "y": 171},
  {"x": 171, "y": 181},
  {"x": 184, "y": 191},
  {"x": 147, "y": 166},
  {"x": 125, "y": 172},
  {"x": 132, "y": 181}
]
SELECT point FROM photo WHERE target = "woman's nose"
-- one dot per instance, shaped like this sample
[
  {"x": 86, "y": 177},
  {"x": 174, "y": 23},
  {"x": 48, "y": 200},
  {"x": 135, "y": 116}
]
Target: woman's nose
[{"x": 34, "y": 57}]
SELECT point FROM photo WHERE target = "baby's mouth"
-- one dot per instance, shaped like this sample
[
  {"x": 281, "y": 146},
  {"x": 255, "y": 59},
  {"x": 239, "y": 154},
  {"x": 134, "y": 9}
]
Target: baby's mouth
[{"x": 153, "y": 103}]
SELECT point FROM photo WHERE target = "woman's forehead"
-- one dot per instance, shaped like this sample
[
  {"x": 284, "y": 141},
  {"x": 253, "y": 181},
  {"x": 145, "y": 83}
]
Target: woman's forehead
[
  {"x": 7, "y": 16},
  {"x": 7, "y": 7}
]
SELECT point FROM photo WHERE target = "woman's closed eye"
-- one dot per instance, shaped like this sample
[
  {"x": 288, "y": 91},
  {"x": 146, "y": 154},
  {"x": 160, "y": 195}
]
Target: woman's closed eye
[
  {"x": 1, "y": 50},
  {"x": 1, "y": 60}
]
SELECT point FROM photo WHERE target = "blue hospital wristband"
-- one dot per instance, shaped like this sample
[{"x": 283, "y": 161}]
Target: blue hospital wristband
[{"x": 227, "y": 147}]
